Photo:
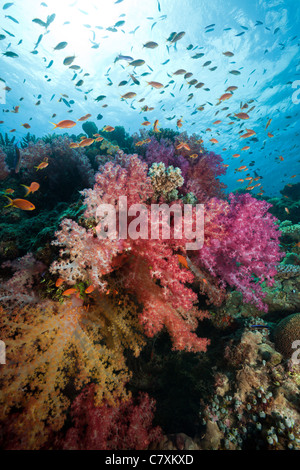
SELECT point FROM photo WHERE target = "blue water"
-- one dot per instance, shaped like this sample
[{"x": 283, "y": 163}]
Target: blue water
[{"x": 262, "y": 35}]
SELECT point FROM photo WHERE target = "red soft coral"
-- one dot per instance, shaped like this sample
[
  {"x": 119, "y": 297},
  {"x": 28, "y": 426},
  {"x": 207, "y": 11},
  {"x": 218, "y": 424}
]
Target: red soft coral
[{"x": 125, "y": 426}]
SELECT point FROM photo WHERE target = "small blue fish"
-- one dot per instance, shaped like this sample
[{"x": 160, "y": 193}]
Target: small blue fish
[{"x": 260, "y": 326}]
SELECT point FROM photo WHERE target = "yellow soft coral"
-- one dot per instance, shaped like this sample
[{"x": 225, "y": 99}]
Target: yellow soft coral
[{"x": 53, "y": 349}]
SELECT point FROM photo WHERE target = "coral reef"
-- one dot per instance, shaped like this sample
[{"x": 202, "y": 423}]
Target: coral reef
[
  {"x": 90, "y": 319},
  {"x": 254, "y": 405},
  {"x": 4, "y": 170}
]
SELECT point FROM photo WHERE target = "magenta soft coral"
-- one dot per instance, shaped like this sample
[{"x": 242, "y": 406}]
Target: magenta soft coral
[
  {"x": 125, "y": 426},
  {"x": 200, "y": 174},
  {"x": 245, "y": 251}
]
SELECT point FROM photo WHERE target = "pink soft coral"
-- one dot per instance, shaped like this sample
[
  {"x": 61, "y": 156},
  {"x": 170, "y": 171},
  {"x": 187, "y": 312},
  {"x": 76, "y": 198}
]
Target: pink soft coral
[
  {"x": 241, "y": 249},
  {"x": 140, "y": 264}
]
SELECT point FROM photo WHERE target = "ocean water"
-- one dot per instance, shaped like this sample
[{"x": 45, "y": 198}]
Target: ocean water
[
  {"x": 263, "y": 36},
  {"x": 81, "y": 82}
]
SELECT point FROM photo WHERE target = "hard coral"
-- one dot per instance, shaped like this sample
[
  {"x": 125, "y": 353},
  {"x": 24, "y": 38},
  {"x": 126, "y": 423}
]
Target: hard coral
[{"x": 287, "y": 331}]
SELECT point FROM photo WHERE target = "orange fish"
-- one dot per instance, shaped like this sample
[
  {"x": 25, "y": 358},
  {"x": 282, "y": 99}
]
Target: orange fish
[
  {"x": 179, "y": 122},
  {"x": 42, "y": 165},
  {"x": 281, "y": 158},
  {"x": 231, "y": 88},
  {"x": 225, "y": 97},
  {"x": 182, "y": 260},
  {"x": 86, "y": 142},
  {"x": 246, "y": 147},
  {"x": 240, "y": 181},
  {"x": 89, "y": 289},
  {"x": 217, "y": 122},
  {"x": 74, "y": 145},
  {"x": 128, "y": 95},
  {"x": 242, "y": 116},
  {"x": 249, "y": 133},
  {"x": 99, "y": 139},
  {"x": 66, "y": 124},
  {"x": 195, "y": 155},
  {"x": 236, "y": 155},
  {"x": 84, "y": 118},
  {"x": 270, "y": 135},
  {"x": 22, "y": 204},
  {"x": 108, "y": 129},
  {"x": 214, "y": 141},
  {"x": 32, "y": 188},
  {"x": 241, "y": 168},
  {"x": 268, "y": 123},
  {"x": 27, "y": 126},
  {"x": 70, "y": 291},
  {"x": 183, "y": 145},
  {"x": 155, "y": 128},
  {"x": 146, "y": 123},
  {"x": 59, "y": 282},
  {"x": 156, "y": 85},
  {"x": 286, "y": 210}
]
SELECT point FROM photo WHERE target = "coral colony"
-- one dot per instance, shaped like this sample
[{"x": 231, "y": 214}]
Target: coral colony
[{"x": 93, "y": 276}]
